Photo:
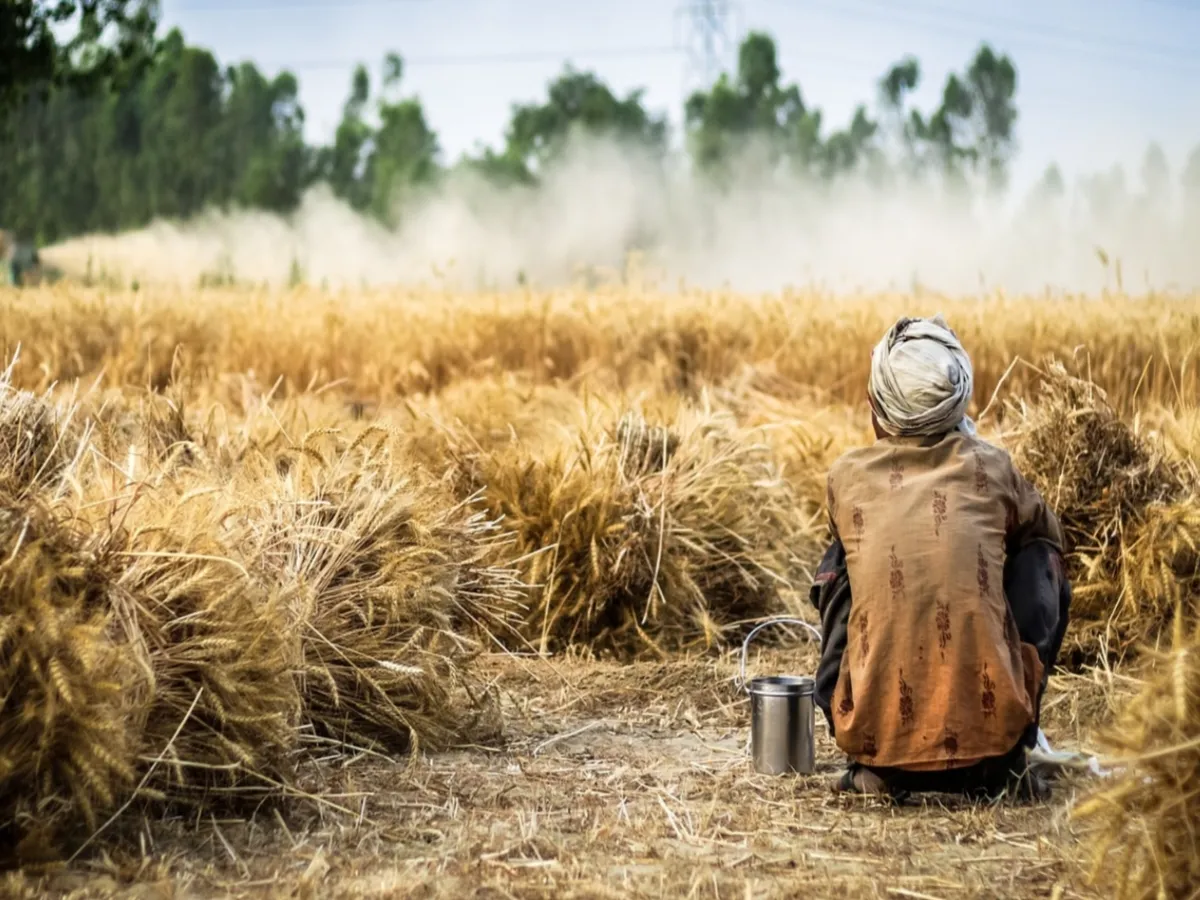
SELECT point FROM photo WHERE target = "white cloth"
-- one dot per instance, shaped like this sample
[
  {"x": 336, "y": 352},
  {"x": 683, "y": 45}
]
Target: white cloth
[
  {"x": 1046, "y": 755},
  {"x": 921, "y": 379}
]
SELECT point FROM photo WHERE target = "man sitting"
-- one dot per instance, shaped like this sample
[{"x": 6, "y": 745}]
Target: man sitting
[{"x": 942, "y": 597}]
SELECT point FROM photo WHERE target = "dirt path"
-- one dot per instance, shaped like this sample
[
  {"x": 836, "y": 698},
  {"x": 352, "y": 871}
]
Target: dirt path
[{"x": 615, "y": 781}]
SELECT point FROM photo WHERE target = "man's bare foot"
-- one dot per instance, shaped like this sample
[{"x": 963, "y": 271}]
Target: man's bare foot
[{"x": 859, "y": 780}]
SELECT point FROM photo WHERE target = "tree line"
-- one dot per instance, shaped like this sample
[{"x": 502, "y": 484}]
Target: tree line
[{"x": 120, "y": 126}]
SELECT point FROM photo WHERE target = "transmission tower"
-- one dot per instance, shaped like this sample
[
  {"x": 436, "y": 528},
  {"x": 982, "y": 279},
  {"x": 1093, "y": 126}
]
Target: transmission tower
[{"x": 710, "y": 40}]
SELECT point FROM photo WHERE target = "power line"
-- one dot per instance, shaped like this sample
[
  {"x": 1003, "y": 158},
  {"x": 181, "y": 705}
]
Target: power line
[
  {"x": 289, "y": 5},
  {"x": 266, "y": 5},
  {"x": 471, "y": 59},
  {"x": 943, "y": 22},
  {"x": 851, "y": 65},
  {"x": 1098, "y": 41},
  {"x": 710, "y": 43},
  {"x": 1175, "y": 4}
]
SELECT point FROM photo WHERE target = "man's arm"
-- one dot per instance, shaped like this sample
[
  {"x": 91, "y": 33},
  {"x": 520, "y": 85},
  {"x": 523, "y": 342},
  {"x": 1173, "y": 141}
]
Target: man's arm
[
  {"x": 1035, "y": 581},
  {"x": 1030, "y": 518},
  {"x": 830, "y": 596}
]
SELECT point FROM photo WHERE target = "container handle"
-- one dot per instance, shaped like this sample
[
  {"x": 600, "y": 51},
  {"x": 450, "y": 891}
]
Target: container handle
[{"x": 757, "y": 628}]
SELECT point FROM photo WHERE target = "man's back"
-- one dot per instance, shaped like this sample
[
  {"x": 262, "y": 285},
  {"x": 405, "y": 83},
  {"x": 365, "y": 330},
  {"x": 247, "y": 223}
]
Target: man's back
[{"x": 934, "y": 674}]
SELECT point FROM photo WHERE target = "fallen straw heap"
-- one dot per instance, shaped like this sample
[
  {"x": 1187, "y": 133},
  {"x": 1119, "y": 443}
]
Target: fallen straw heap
[
  {"x": 391, "y": 589},
  {"x": 1130, "y": 512},
  {"x": 641, "y": 538},
  {"x": 72, "y": 698},
  {"x": 1147, "y": 844},
  {"x": 187, "y": 637},
  {"x": 39, "y": 439},
  {"x": 222, "y": 721}
]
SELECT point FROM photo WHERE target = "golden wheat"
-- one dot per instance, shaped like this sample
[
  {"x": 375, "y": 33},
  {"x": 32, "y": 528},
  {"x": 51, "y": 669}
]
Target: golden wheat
[
  {"x": 1130, "y": 512},
  {"x": 72, "y": 696},
  {"x": 382, "y": 344},
  {"x": 640, "y": 536},
  {"x": 390, "y": 587},
  {"x": 1147, "y": 846},
  {"x": 284, "y": 522}
]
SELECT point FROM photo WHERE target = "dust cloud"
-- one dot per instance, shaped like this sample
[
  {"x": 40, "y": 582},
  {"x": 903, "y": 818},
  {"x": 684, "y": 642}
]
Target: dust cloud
[{"x": 763, "y": 231}]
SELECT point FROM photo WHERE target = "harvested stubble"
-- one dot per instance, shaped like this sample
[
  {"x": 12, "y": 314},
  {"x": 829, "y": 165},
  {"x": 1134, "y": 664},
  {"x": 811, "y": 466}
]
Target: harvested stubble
[
  {"x": 639, "y": 537},
  {"x": 1145, "y": 824},
  {"x": 1130, "y": 512},
  {"x": 390, "y": 585},
  {"x": 71, "y": 696}
]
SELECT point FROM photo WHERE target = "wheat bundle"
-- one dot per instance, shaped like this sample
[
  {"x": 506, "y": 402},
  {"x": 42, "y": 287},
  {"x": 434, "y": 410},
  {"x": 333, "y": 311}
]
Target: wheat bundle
[
  {"x": 807, "y": 432},
  {"x": 147, "y": 431},
  {"x": 1148, "y": 845},
  {"x": 164, "y": 428},
  {"x": 225, "y": 709},
  {"x": 391, "y": 589},
  {"x": 38, "y": 439},
  {"x": 1128, "y": 511},
  {"x": 71, "y": 693},
  {"x": 481, "y": 415},
  {"x": 646, "y": 537}
]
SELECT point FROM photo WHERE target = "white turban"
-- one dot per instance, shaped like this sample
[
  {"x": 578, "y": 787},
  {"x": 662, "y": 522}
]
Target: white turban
[{"x": 921, "y": 379}]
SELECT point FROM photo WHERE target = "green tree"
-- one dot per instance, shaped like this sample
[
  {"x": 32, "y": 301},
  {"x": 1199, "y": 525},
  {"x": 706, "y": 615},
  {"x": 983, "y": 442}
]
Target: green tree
[
  {"x": 342, "y": 165},
  {"x": 374, "y": 166},
  {"x": 853, "y": 148},
  {"x": 166, "y": 135},
  {"x": 404, "y": 150},
  {"x": 497, "y": 167},
  {"x": 1190, "y": 183},
  {"x": 755, "y": 109},
  {"x": 261, "y": 140},
  {"x": 1107, "y": 195},
  {"x": 974, "y": 128},
  {"x": 576, "y": 103},
  {"x": 900, "y": 121},
  {"x": 1051, "y": 185},
  {"x": 753, "y": 104},
  {"x": 1042, "y": 207},
  {"x": 182, "y": 120},
  {"x": 122, "y": 199},
  {"x": 109, "y": 34},
  {"x": 116, "y": 127},
  {"x": 992, "y": 82}
]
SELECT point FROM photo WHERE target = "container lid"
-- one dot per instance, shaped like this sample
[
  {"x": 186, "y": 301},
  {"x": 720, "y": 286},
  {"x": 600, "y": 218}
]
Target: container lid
[{"x": 782, "y": 685}]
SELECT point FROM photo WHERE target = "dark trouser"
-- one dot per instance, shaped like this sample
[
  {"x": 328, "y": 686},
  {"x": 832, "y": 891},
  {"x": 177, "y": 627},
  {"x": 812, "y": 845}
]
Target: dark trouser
[
  {"x": 1039, "y": 597},
  {"x": 987, "y": 777}
]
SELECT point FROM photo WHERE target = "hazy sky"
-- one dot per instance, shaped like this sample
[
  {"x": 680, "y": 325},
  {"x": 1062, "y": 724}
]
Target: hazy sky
[{"x": 1097, "y": 80}]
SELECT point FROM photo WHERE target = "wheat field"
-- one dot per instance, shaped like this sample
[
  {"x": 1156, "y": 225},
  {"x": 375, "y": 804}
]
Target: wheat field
[{"x": 416, "y": 593}]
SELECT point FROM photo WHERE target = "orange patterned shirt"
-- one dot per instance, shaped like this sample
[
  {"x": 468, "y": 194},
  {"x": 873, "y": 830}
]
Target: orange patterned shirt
[{"x": 934, "y": 674}]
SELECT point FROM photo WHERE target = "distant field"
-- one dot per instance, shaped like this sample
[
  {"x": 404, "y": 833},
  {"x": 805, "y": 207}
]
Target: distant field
[{"x": 431, "y": 593}]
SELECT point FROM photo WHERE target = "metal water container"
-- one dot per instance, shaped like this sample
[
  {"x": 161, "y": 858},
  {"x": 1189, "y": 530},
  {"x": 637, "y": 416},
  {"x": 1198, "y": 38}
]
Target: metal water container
[
  {"x": 782, "y": 715},
  {"x": 781, "y": 724}
]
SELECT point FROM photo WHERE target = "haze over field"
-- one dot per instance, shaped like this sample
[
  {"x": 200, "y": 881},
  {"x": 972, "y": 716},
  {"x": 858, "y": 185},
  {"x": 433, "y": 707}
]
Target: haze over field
[
  {"x": 212, "y": 160},
  {"x": 765, "y": 232}
]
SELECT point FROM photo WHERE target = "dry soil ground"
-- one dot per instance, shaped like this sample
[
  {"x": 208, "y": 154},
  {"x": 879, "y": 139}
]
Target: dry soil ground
[{"x": 614, "y": 781}]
